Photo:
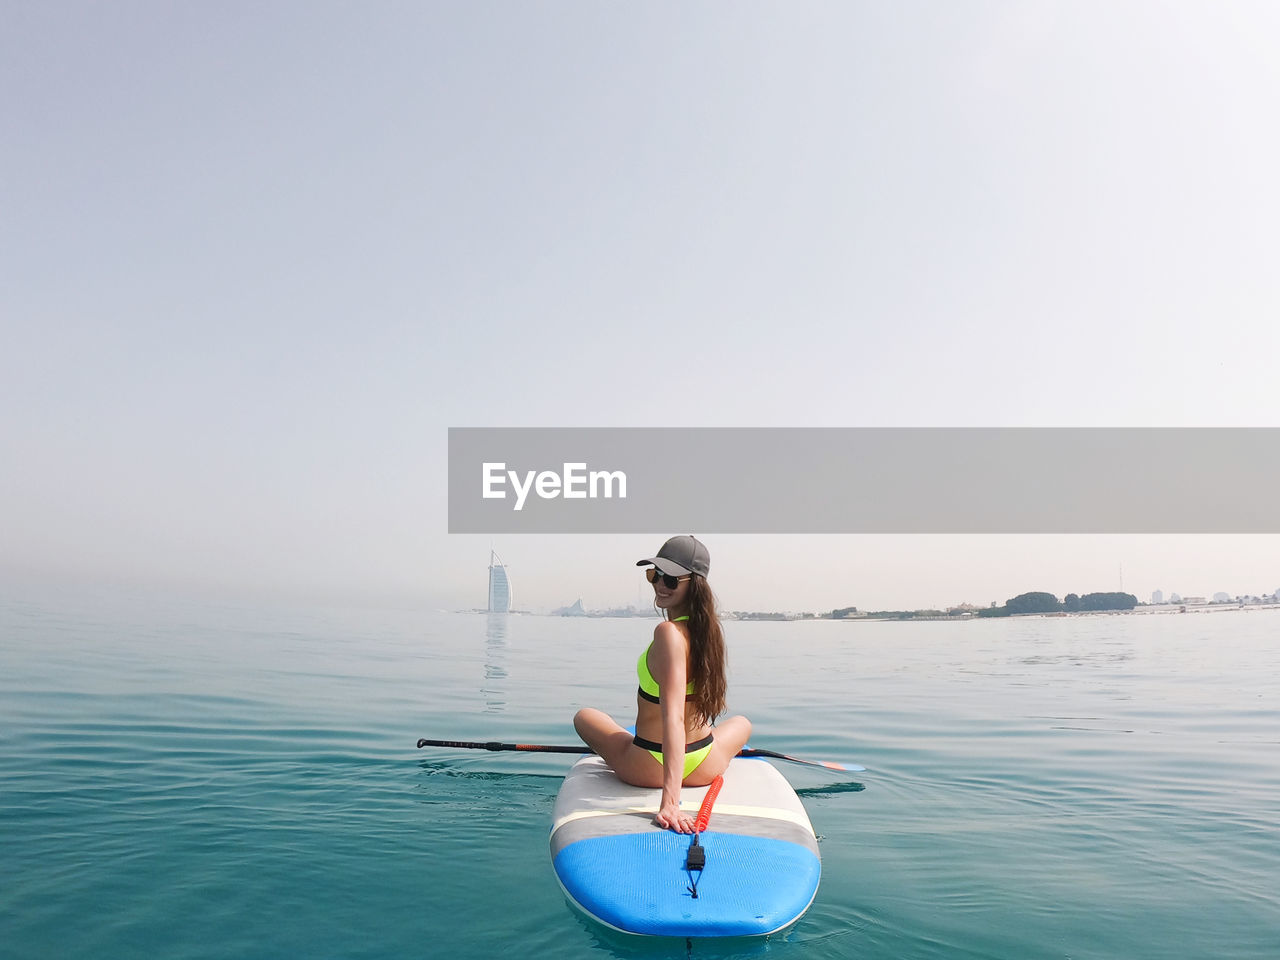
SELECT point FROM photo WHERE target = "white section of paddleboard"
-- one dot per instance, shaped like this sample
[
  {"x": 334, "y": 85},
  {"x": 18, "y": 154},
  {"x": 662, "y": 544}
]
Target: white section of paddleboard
[{"x": 618, "y": 867}]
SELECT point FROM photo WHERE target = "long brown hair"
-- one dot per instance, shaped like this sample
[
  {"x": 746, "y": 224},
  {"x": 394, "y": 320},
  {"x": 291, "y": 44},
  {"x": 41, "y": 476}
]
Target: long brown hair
[{"x": 706, "y": 652}]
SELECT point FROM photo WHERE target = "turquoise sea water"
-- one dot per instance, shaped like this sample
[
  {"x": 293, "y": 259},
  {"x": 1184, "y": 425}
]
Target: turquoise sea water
[{"x": 188, "y": 780}]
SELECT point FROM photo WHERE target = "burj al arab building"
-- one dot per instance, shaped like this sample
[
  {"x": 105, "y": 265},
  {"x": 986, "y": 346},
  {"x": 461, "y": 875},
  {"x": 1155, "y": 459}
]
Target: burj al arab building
[{"x": 499, "y": 586}]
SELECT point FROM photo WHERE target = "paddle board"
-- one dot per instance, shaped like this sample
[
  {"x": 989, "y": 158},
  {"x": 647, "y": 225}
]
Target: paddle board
[{"x": 616, "y": 866}]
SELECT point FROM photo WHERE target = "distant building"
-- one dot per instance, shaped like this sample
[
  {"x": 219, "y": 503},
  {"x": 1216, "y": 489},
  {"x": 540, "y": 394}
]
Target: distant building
[
  {"x": 1221, "y": 597},
  {"x": 499, "y": 586},
  {"x": 1174, "y": 598},
  {"x": 575, "y": 610},
  {"x": 1157, "y": 596}
]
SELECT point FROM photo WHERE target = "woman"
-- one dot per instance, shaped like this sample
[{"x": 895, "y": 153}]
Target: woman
[{"x": 682, "y": 691}]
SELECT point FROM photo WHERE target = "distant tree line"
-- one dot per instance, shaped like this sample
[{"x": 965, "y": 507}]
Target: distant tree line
[{"x": 1040, "y": 602}]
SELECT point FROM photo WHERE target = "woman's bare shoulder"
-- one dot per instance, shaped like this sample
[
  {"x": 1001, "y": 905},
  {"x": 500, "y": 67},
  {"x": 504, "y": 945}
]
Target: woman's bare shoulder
[{"x": 668, "y": 642}]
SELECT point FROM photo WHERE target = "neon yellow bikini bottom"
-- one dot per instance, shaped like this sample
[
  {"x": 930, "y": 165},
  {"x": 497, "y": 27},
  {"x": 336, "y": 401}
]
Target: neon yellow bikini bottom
[{"x": 694, "y": 753}]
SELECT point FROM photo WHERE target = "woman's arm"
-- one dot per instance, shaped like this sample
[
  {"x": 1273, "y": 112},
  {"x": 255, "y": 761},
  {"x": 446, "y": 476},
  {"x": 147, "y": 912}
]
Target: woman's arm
[{"x": 667, "y": 659}]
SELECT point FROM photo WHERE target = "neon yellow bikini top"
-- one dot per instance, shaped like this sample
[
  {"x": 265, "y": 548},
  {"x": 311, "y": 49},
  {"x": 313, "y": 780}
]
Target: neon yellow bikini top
[{"x": 649, "y": 689}]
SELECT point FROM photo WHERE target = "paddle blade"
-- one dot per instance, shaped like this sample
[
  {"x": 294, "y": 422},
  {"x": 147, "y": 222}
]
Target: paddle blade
[{"x": 828, "y": 764}]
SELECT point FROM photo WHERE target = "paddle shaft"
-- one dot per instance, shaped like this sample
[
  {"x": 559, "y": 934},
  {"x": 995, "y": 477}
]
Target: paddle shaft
[{"x": 549, "y": 748}]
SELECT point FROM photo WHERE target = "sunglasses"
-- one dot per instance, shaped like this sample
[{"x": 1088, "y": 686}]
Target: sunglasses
[{"x": 653, "y": 573}]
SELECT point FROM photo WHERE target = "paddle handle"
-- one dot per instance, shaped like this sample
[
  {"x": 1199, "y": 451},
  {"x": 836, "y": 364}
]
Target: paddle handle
[{"x": 495, "y": 745}]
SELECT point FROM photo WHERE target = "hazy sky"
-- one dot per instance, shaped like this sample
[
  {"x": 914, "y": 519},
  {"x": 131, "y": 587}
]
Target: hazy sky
[{"x": 257, "y": 258}]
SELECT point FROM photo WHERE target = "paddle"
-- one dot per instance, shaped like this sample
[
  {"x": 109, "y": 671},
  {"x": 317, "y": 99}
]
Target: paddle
[
  {"x": 494, "y": 745},
  {"x": 582, "y": 748},
  {"x": 830, "y": 765}
]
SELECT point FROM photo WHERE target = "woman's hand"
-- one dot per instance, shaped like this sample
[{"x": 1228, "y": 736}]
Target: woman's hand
[{"x": 670, "y": 817}]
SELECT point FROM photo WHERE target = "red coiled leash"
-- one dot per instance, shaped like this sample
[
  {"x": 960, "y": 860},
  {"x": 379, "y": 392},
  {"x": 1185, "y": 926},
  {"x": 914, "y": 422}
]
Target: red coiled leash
[
  {"x": 697, "y": 858},
  {"x": 709, "y": 801}
]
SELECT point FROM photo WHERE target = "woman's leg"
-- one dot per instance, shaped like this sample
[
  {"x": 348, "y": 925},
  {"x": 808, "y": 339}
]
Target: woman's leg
[
  {"x": 731, "y": 736},
  {"x": 602, "y": 734}
]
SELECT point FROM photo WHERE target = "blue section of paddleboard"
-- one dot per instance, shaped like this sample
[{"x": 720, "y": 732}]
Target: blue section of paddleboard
[{"x": 637, "y": 883}]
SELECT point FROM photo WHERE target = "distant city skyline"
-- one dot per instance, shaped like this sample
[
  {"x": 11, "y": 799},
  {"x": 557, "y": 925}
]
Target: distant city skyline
[{"x": 597, "y": 597}]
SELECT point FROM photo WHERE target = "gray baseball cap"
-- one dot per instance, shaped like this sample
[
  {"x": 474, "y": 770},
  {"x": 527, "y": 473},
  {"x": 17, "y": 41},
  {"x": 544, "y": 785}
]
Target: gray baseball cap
[{"x": 681, "y": 555}]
